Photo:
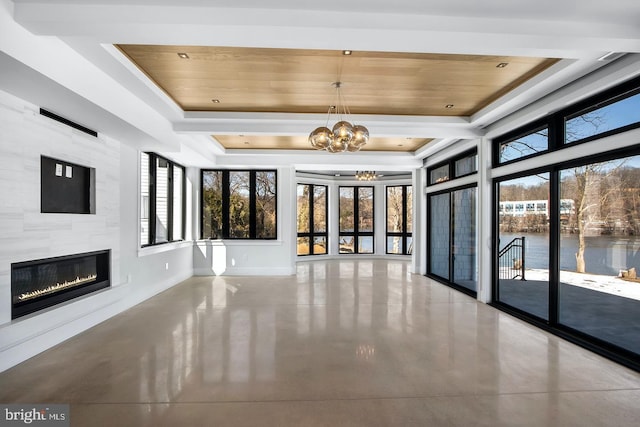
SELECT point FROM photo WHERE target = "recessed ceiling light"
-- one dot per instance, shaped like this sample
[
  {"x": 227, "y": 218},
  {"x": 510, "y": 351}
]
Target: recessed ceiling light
[
  {"x": 347, "y": 52},
  {"x": 337, "y": 174},
  {"x": 400, "y": 145},
  {"x": 449, "y": 106},
  {"x": 183, "y": 55},
  {"x": 246, "y": 143},
  {"x": 502, "y": 65},
  {"x": 215, "y": 101}
]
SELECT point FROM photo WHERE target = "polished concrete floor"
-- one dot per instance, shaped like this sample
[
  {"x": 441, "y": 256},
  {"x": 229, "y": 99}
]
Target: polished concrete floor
[{"x": 350, "y": 342}]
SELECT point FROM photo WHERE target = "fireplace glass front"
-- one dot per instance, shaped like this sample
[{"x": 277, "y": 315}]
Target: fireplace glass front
[{"x": 43, "y": 283}]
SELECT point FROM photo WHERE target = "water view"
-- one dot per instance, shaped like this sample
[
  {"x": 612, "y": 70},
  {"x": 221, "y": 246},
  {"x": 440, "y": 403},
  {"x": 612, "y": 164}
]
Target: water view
[{"x": 605, "y": 255}]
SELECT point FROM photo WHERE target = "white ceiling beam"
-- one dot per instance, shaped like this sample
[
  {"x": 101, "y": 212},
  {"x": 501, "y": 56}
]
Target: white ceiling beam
[
  {"x": 225, "y": 123},
  {"x": 324, "y": 29},
  {"x": 321, "y": 160},
  {"x": 48, "y": 73}
]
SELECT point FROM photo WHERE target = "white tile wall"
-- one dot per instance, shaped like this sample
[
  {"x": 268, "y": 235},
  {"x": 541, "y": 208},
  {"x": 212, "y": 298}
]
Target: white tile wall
[{"x": 27, "y": 234}]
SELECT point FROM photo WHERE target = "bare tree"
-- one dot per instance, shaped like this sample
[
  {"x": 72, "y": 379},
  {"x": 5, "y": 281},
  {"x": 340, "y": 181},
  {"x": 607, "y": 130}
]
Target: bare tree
[{"x": 595, "y": 191}]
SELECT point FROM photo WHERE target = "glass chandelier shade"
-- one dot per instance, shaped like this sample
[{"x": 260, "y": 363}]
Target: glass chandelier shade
[
  {"x": 344, "y": 136},
  {"x": 321, "y": 138}
]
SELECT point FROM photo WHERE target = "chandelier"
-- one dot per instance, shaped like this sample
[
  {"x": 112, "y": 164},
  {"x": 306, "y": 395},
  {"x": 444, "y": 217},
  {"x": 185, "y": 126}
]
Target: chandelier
[
  {"x": 366, "y": 175},
  {"x": 344, "y": 136}
]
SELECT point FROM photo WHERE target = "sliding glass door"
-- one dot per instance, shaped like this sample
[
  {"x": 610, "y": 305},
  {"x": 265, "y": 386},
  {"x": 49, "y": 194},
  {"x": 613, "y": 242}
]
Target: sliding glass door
[
  {"x": 523, "y": 238},
  {"x": 452, "y": 241}
]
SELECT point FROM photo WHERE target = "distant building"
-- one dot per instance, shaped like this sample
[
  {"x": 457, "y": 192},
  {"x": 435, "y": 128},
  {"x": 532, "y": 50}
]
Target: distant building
[{"x": 535, "y": 207}]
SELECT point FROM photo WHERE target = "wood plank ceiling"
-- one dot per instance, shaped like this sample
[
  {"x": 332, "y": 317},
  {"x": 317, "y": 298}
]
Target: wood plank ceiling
[{"x": 300, "y": 81}]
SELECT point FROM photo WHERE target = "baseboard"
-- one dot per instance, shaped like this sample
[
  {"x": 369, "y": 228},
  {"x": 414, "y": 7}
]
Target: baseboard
[{"x": 247, "y": 271}]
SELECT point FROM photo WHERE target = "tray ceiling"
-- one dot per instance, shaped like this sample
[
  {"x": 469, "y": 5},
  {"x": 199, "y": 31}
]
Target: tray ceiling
[{"x": 255, "y": 80}]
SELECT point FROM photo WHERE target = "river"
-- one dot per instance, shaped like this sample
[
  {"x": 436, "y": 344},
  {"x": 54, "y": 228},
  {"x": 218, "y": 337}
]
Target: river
[{"x": 603, "y": 254}]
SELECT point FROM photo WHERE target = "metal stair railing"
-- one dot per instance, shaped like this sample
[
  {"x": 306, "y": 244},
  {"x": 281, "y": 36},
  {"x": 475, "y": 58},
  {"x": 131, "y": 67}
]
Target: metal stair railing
[{"x": 511, "y": 260}]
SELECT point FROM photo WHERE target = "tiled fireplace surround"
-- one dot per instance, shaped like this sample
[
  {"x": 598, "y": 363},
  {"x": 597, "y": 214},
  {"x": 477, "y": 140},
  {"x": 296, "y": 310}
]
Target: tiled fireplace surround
[{"x": 26, "y": 234}]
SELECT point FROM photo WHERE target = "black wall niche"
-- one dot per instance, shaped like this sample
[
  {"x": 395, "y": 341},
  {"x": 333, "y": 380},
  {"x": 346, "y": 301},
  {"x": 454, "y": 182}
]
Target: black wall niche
[{"x": 66, "y": 187}]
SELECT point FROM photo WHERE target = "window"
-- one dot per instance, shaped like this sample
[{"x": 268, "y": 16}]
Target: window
[
  {"x": 523, "y": 145},
  {"x": 619, "y": 113},
  {"x": 356, "y": 220},
  {"x": 239, "y": 204},
  {"x": 614, "y": 111},
  {"x": 523, "y": 241},
  {"x": 399, "y": 220},
  {"x": 571, "y": 264},
  {"x": 600, "y": 219},
  {"x": 466, "y": 165},
  {"x": 439, "y": 174},
  {"x": 312, "y": 219},
  {"x": 161, "y": 200},
  {"x": 456, "y": 167}
]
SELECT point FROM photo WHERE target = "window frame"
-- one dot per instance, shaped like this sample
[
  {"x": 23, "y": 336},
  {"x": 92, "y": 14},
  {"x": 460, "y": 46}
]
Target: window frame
[
  {"x": 450, "y": 280},
  {"x": 557, "y": 141},
  {"x": 610, "y": 97},
  {"x": 451, "y": 164},
  {"x": 404, "y": 234},
  {"x": 225, "y": 204},
  {"x": 152, "y": 177},
  {"x": 556, "y": 123},
  {"x": 518, "y": 133},
  {"x": 356, "y": 233},
  {"x": 311, "y": 235}
]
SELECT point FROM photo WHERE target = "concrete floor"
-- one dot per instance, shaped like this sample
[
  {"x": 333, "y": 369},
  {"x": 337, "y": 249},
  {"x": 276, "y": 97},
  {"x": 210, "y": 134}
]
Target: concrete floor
[{"x": 349, "y": 342}]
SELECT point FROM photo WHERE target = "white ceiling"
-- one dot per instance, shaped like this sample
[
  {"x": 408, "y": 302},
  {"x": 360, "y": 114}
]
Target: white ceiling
[
  {"x": 551, "y": 10},
  {"x": 578, "y": 32}
]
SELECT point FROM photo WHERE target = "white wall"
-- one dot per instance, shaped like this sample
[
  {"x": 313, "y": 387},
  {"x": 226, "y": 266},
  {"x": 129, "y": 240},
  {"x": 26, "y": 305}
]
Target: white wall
[
  {"x": 27, "y": 234},
  {"x": 255, "y": 257}
]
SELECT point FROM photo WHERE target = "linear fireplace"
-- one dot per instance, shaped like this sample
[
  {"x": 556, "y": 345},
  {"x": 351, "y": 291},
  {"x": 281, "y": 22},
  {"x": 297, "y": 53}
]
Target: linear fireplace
[{"x": 46, "y": 282}]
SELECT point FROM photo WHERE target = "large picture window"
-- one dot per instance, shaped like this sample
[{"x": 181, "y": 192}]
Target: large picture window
[
  {"x": 312, "y": 219},
  {"x": 399, "y": 220},
  {"x": 599, "y": 251},
  {"x": 356, "y": 220},
  {"x": 239, "y": 204},
  {"x": 161, "y": 200}
]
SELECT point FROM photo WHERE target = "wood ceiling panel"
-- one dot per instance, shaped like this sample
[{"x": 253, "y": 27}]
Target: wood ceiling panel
[
  {"x": 299, "y": 81},
  {"x": 261, "y": 142}
]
